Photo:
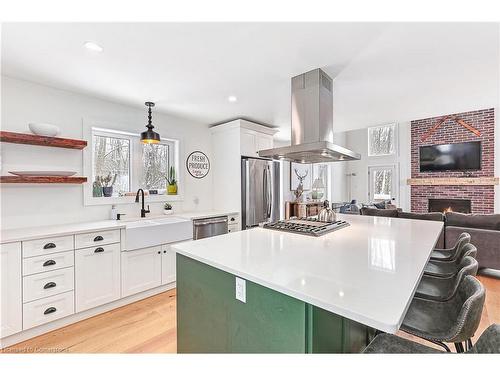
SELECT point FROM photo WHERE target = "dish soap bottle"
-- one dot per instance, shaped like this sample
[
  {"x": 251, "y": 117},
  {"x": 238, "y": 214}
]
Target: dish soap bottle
[{"x": 114, "y": 212}]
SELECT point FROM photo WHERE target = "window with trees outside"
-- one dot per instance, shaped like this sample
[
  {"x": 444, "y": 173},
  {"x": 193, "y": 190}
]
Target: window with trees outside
[
  {"x": 121, "y": 163},
  {"x": 382, "y": 140}
]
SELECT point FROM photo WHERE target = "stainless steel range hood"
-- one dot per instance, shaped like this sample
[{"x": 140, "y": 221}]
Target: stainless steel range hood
[{"x": 312, "y": 123}]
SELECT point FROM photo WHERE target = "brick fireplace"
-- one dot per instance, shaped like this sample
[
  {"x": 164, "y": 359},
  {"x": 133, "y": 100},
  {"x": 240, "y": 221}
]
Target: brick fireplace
[{"x": 481, "y": 197}]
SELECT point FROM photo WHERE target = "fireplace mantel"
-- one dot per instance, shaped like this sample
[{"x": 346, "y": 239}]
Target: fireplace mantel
[{"x": 453, "y": 181}]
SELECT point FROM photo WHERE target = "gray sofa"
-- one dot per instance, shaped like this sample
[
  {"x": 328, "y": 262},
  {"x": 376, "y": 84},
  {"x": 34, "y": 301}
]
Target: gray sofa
[
  {"x": 484, "y": 231},
  {"x": 485, "y": 235}
]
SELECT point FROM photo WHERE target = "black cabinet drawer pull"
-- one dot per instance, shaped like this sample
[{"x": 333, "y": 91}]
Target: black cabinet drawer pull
[
  {"x": 98, "y": 238},
  {"x": 49, "y": 245},
  {"x": 50, "y": 310},
  {"x": 159, "y": 252},
  {"x": 164, "y": 251},
  {"x": 49, "y": 285},
  {"x": 49, "y": 263},
  {"x": 99, "y": 250}
]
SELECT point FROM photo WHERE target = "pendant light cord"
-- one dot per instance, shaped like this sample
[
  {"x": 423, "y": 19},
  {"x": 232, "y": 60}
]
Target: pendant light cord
[{"x": 150, "y": 117}]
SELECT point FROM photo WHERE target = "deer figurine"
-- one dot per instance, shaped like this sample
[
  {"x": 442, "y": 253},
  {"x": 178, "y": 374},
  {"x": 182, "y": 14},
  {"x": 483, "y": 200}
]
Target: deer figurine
[{"x": 300, "y": 188}]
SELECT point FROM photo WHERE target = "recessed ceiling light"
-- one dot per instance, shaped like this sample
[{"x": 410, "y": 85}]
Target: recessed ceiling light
[
  {"x": 232, "y": 99},
  {"x": 92, "y": 46}
]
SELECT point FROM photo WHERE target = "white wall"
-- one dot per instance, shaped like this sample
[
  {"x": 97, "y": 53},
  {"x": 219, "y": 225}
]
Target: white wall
[
  {"x": 33, "y": 205},
  {"x": 357, "y": 140}
]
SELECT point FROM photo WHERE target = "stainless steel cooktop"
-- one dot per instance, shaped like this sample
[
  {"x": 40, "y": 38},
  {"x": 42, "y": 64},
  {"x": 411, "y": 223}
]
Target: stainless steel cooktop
[{"x": 307, "y": 226}]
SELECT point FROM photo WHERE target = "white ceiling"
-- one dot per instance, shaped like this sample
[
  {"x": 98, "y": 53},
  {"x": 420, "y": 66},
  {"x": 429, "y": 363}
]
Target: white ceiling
[{"x": 383, "y": 72}]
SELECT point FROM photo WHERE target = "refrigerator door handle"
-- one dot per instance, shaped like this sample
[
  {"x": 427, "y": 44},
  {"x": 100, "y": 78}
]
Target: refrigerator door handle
[
  {"x": 269, "y": 196},
  {"x": 264, "y": 190}
]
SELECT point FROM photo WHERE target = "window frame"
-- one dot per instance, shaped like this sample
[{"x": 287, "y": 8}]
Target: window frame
[
  {"x": 91, "y": 128},
  {"x": 396, "y": 143},
  {"x": 394, "y": 167}
]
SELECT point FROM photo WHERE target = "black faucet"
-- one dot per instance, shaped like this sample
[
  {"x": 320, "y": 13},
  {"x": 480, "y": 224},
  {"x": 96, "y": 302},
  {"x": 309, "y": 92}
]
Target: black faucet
[{"x": 143, "y": 211}]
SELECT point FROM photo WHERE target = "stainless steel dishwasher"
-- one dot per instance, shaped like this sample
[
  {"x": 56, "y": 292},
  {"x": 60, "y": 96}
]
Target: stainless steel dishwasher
[{"x": 203, "y": 228}]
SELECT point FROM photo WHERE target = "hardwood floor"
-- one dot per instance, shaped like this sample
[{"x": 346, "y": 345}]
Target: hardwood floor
[
  {"x": 146, "y": 326},
  {"x": 149, "y": 326}
]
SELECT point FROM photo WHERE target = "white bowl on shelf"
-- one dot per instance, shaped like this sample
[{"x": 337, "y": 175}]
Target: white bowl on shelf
[{"x": 47, "y": 130}]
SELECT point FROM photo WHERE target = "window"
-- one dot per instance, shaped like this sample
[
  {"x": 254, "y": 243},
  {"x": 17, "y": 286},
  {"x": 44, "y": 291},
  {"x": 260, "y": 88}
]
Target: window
[
  {"x": 382, "y": 140},
  {"x": 111, "y": 163},
  {"x": 382, "y": 182},
  {"x": 320, "y": 188},
  {"x": 155, "y": 162},
  {"x": 119, "y": 160}
]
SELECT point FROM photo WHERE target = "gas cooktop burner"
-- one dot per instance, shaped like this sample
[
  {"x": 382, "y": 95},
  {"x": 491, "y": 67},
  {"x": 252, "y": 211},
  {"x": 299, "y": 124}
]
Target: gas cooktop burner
[{"x": 308, "y": 226}]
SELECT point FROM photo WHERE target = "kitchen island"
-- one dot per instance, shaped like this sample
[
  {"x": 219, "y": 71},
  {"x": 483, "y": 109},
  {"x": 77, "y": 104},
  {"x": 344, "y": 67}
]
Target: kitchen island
[{"x": 297, "y": 293}]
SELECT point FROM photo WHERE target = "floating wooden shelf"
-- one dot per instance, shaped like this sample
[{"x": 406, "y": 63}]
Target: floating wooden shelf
[
  {"x": 454, "y": 181},
  {"x": 40, "y": 140},
  {"x": 42, "y": 180}
]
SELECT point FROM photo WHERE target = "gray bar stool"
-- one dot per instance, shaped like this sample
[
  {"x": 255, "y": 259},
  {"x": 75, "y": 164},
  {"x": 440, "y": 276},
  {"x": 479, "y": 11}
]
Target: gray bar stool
[
  {"x": 454, "y": 321},
  {"x": 443, "y": 289},
  {"x": 452, "y": 253},
  {"x": 445, "y": 269},
  {"x": 488, "y": 343}
]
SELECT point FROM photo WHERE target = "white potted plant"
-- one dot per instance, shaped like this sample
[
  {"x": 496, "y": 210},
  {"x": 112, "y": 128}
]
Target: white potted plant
[{"x": 167, "y": 209}]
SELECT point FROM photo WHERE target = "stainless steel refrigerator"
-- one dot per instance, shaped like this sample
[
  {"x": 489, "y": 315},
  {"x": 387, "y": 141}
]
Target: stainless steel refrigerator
[{"x": 260, "y": 191}]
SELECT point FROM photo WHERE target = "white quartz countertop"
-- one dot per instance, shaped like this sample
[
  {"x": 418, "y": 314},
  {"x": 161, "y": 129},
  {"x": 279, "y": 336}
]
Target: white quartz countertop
[
  {"x": 25, "y": 234},
  {"x": 203, "y": 214},
  {"x": 367, "y": 272},
  {"x": 30, "y": 233}
]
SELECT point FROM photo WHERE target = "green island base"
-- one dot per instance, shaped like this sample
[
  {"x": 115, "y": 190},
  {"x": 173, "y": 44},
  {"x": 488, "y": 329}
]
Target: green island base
[{"x": 211, "y": 320}]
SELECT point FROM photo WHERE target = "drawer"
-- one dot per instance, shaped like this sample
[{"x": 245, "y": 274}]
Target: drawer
[
  {"x": 233, "y": 228},
  {"x": 47, "y": 246},
  {"x": 48, "y": 309},
  {"x": 97, "y": 238},
  {"x": 50, "y": 262},
  {"x": 47, "y": 284}
]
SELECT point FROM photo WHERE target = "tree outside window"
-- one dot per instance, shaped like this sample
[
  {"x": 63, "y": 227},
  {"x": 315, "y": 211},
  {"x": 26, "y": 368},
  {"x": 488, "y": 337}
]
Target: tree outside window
[
  {"x": 382, "y": 184},
  {"x": 111, "y": 156},
  {"x": 156, "y": 162},
  {"x": 381, "y": 140}
]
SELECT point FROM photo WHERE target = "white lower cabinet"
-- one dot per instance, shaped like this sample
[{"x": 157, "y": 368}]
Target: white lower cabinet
[
  {"x": 47, "y": 284},
  {"x": 10, "y": 280},
  {"x": 46, "y": 310},
  {"x": 49, "y": 262},
  {"x": 141, "y": 270},
  {"x": 97, "y": 276},
  {"x": 167, "y": 265}
]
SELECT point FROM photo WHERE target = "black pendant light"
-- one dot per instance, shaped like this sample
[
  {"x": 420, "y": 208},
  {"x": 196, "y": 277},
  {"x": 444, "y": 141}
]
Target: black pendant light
[{"x": 150, "y": 136}]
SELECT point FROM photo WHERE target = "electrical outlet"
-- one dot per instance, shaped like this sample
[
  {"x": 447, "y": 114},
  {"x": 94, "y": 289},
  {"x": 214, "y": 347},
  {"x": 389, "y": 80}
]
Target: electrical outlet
[{"x": 241, "y": 290}]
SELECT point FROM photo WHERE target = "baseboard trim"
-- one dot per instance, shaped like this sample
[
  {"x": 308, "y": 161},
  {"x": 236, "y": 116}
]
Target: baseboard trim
[{"x": 40, "y": 330}]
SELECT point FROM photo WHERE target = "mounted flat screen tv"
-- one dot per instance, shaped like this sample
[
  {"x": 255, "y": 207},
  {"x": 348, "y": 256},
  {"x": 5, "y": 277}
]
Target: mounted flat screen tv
[{"x": 451, "y": 157}]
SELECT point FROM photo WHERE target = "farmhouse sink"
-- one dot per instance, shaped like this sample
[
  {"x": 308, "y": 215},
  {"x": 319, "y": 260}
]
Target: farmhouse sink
[{"x": 156, "y": 231}]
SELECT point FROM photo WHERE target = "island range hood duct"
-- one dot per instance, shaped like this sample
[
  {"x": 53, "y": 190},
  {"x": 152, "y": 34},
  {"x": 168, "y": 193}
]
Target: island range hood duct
[{"x": 312, "y": 123}]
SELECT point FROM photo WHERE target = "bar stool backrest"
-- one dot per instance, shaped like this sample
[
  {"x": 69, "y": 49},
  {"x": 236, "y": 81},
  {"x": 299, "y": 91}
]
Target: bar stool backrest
[
  {"x": 489, "y": 341},
  {"x": 468, "y": 266},
  {"x": 469, "y": 300},
  {"x": 469, "y": 250}
]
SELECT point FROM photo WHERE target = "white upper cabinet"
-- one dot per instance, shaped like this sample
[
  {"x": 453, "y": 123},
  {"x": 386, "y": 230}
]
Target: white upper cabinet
[
  {"x": 264, "y": 142},
  {"x": 11, "y": 299},
  {"x": 97, "y": 276},
  {"x": 248, "y": 143},
  {"x": 231, "y": 141},
  {"x": 251, "y": 142}
]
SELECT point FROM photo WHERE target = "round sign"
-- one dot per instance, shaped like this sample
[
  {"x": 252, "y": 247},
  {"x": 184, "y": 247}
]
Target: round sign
[{"x": 197, "y": 164}]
